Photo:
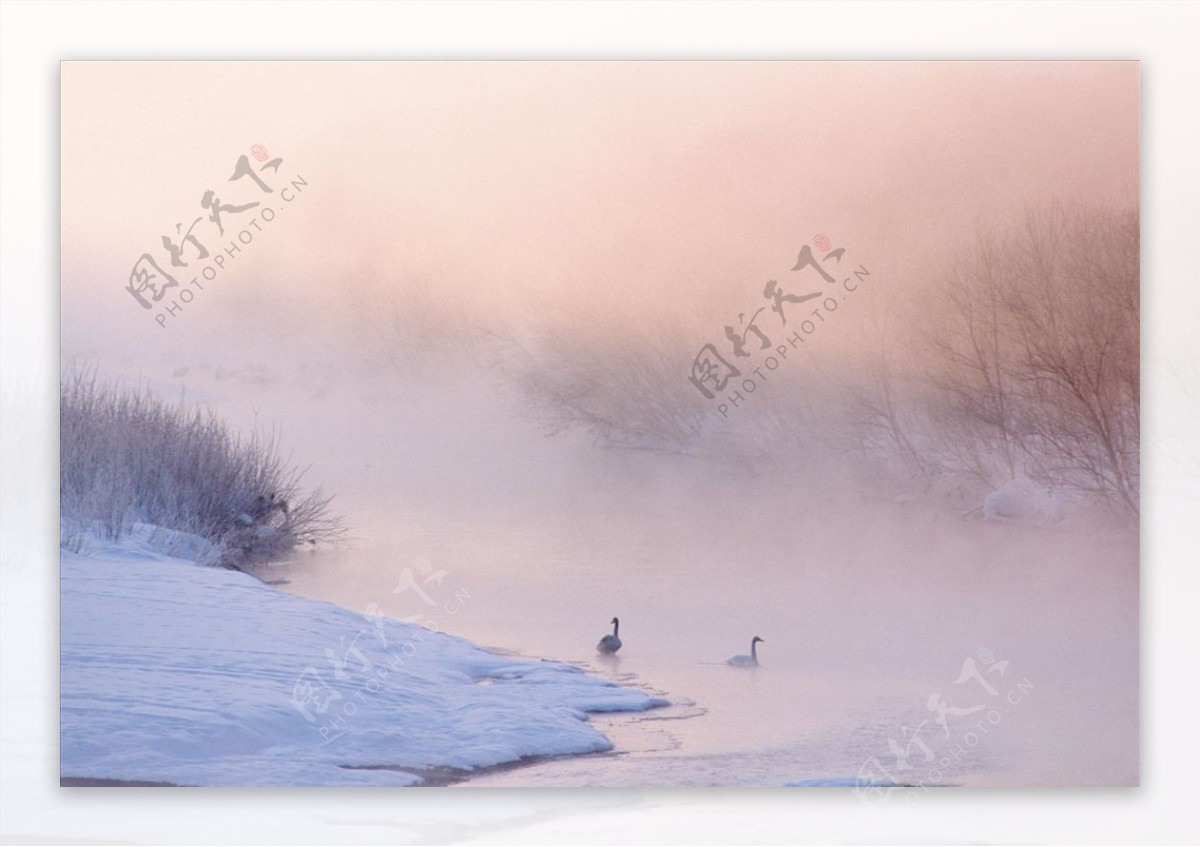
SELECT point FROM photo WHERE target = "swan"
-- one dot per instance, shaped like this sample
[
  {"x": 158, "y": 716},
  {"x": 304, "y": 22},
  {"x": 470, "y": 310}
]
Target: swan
[
  {"x": 610, "y": 644},
  {"x": 750, "y": 661}
]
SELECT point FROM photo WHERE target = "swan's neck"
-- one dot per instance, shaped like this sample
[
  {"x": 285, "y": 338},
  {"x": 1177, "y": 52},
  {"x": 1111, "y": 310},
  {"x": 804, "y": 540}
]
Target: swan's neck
[
  {"x": 754, "y": 650},
  {"x": 616, "y": 626}
]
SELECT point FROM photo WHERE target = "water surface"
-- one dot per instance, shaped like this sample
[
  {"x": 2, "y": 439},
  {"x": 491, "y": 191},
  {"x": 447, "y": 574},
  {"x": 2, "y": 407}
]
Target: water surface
[{"x": 868, "y": 609}]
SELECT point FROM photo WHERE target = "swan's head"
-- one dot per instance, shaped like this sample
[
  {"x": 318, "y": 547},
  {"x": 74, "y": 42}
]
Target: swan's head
[
  {"x": 757, "y": 640},
  {"x": 614, "y": 621}
]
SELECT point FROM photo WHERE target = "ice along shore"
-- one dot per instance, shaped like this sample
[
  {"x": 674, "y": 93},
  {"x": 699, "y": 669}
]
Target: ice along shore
[{"x": 187, "y": 675}]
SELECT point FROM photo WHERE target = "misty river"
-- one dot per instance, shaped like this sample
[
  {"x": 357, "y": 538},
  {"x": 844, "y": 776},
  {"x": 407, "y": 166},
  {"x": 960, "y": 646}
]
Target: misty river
[{"x": 887, "y": 625}]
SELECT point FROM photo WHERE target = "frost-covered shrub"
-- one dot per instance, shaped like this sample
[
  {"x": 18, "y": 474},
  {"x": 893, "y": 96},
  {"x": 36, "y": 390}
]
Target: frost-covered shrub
[{"x": 127, "y": 457}]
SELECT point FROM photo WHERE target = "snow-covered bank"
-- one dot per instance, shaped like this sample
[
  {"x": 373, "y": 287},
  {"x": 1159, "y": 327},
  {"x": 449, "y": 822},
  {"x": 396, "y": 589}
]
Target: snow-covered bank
[{"x": 171, "y": 672}]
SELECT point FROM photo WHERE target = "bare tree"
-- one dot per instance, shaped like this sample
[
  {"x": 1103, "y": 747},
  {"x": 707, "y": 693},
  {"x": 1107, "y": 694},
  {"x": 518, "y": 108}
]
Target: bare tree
[
  {"x": 1078, "y": 321},
  {"x": 974, "y": 385},
  {"x": 882, "y": 402},
  {"x": 615, "y": 384},
  {"x": 1038, "y": 353}
]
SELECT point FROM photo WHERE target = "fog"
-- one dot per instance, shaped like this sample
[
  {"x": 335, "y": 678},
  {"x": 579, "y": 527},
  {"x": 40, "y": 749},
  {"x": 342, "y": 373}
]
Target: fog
[{"x": 475, "y": 320}]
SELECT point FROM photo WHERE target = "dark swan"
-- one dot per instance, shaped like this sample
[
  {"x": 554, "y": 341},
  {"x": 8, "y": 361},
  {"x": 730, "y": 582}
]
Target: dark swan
[{"x": 610, "y": 644}]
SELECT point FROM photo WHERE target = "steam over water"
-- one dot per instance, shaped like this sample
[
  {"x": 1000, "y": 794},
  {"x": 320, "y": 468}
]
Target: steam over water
[{"x": 868, "y": 606}]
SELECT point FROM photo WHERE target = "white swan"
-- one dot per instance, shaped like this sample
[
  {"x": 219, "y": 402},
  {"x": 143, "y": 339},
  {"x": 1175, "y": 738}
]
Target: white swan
[
  {"x": 750, "y": 661},
  {"x": 610, "y": 644}
]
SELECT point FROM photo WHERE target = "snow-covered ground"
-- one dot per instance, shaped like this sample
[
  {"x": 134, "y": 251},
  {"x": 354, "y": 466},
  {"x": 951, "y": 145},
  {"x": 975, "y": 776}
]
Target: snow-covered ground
[{"x": 172, "y": 672}]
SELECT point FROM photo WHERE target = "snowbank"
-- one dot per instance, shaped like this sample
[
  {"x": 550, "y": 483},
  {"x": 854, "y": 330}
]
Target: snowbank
[
  {"x": 1022, "y": 500},
  {"x": 842, "y": 782},
  {"x": 176, "y": 673}
]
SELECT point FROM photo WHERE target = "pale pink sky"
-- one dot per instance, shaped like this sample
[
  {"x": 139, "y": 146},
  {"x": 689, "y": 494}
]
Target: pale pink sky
[{"x": 606, "y": 187}]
